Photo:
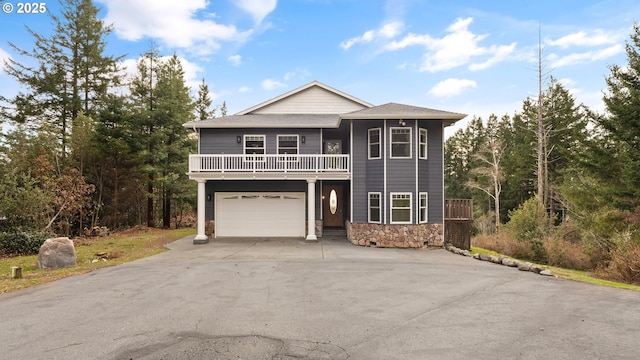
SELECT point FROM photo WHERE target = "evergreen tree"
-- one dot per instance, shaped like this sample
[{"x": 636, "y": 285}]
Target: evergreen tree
[
  {"x": 174, "y": 107},
  {"x": 621, "y": 142},
  {"x": 203, "y": 103},
  {"x": 72, "y": 72},
  {"x": 147, "y": 138}
]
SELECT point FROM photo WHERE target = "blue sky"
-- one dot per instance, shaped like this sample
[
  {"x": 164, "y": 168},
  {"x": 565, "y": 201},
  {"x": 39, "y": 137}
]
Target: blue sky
[{"x": 472, "y": 56}]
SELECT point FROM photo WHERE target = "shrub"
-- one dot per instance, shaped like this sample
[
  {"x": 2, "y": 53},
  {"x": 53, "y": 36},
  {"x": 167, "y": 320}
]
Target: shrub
[
  {"x": 529, "y": 223},
  {"x": 624, "y": 264},
  {"x": 22, "y": 243},
  {"x": 566, "y": 254}
]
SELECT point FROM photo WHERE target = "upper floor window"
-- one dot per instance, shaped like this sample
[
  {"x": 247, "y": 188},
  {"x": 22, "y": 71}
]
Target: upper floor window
[
  {"x": 401, "y": 142},
  {"x": 374, "y": 143},
  {"x": 254, "y": 144},
  {"x": 401, "y": 208},
  {"x": 288, "y": 144},
  {"x": 422, "y": 150}
]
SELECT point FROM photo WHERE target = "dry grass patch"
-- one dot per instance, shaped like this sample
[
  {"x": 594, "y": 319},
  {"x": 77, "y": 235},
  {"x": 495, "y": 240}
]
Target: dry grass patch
[{"x": 115, "y": 249}]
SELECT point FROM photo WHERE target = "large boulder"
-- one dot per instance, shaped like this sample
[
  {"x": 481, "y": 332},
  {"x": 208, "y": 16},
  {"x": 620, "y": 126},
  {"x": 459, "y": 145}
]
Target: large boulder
[{"x": 56, "y": 253}]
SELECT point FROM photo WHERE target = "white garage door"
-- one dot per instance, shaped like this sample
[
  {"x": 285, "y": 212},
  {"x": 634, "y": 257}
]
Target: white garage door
[{"x": 260, "y": 214}]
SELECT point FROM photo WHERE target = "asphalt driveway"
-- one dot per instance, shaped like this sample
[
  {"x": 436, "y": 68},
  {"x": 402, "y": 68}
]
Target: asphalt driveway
[{"x": 287, "y": 299}]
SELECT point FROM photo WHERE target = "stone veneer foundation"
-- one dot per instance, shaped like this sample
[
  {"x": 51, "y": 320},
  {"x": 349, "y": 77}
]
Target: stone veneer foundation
[{"x": 398, "y": 236}]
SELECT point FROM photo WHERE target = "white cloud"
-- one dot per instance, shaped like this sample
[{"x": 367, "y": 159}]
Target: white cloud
[
  {"x": 298, "y": 74},
  {"x": 455, "y": 49},
  {"x": 451, "y": 87},
  {"x": 597, "y": 37},
  {"x": 585, "y": 57},
  {"x": 258, "y": 9},
  {"x": 235, "y": 60},
  {"x": 244, "y": 89},
  {"x": 386, "y": 31},
  {"x": 270, "y": 84},
  {"x": 501, "y": 53},
  {"x": 174, "y": 23}
]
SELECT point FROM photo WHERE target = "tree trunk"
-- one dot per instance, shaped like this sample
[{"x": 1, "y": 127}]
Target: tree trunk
[{"x": 150, "y": 222}]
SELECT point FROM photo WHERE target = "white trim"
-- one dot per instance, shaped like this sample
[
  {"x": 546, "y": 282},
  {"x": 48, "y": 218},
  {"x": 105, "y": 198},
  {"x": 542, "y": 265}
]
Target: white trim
[
  {"x": 426, "y": 143},
  {"x": 369, "y": 131},
  {"x": 244, "y": 143},
  {"x": 379, "y": 207},
  {"x": 442, "y": 175},
  {"x": 391, "y": 129},
  {"x": 403, "y": 194},
  {"x": 292, "y": 135},
  {"x": 351, "y": 167},
  {"x": 426, "y": 214},
  {"x": 417, "y": 167},
  {"x": 384, "y": 154}
]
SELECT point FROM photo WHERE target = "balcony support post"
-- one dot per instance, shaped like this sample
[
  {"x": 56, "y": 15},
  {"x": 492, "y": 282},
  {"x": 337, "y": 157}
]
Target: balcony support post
[
  {"x": 311, "y": 210},
  {"x": 201, "y": 238}
]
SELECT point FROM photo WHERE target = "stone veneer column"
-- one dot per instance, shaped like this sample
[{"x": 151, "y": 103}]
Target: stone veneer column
[
  {"x": 201, "y": 238},
  {"x": 311, "y": 210}
]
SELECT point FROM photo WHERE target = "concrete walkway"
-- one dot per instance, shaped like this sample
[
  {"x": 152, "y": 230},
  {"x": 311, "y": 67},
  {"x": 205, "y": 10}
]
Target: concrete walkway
[{"x": 287, "y": 299}]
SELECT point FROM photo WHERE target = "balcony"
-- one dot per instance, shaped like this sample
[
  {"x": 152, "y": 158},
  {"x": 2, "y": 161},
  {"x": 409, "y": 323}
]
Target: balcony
[{"x": 269, "y": 166}]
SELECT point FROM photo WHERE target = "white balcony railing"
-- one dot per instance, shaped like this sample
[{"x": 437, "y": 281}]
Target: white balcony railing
[{"x": 223, "y": 163}]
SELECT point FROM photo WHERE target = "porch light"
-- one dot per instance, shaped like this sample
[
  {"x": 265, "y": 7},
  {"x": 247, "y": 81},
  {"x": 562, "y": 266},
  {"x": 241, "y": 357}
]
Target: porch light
[
  {"x": 238, "y": 139},
  {"x": 302, "y": 139}
]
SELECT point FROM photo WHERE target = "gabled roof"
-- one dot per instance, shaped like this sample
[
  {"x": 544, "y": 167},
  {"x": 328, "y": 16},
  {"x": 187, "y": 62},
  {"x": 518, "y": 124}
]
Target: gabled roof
[
  {"x": 401, "y": 111},
  {"x": 316, "y": 105},
  {"x": 269, "y": 121},
  {"x": 302, "y": 89}
]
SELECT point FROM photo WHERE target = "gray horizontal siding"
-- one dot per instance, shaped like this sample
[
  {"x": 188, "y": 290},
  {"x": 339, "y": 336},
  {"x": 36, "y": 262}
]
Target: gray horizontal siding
[
  {"x": 430, "y": 171},
  {"x": 223, "y": 141}
]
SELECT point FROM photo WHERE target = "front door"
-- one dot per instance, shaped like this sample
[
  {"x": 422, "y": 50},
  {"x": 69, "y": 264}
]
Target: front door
[{"x": 333, "y": 205}]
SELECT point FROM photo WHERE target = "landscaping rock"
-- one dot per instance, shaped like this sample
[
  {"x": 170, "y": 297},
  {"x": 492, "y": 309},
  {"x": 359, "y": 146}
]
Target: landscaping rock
[
  {"x": 495, "y": 259},
  {"x": 476, "y": 256},
  {"x": 525, "y": 266},
  {"x": 56, "y": 253},
  {"x": 546, "y": 273},
  {"x": 484, "y": 257},
  {"x": 536, "y": 269},
  {"x": 466, "y": 253}
]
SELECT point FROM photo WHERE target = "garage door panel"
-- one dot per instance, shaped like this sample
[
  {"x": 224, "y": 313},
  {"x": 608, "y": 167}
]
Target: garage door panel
[{"x": 260, "y": 214}]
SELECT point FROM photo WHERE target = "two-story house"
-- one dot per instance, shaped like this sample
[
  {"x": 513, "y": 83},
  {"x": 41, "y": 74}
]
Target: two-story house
[{"x": 316, "y": 158}]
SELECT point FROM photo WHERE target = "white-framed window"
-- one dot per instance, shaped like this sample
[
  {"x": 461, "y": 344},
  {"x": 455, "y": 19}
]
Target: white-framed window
[
  {"x": 401, "y": 208},
  {"x": 423, "y": 207},
  {"x": 422, "y": 144},
  {"x": 254, "y": 144},
  {"x": 400, "y": 143},
  {"x": 375, "y": 208},
  {"x": 287, "y": 144},
  {"x": 374, "y": 143}
]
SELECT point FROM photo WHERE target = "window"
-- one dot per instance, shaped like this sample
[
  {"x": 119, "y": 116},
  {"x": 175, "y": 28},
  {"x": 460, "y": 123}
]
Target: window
[
  {"x": 424, "y": 201},
  {"x": 423, "y": 144},
  {"x": 287, "y": 144},
  {"x": 401, "y": 208},
  {"x": 374, "y": 143},
  {"x": 400, "y": 143},
  {"x": 254, "y": 144},
  {"x": 374, "y": 207}
]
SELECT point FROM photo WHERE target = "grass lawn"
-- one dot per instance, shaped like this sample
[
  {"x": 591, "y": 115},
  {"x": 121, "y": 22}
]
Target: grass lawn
[
  {"x": 113, "y": 249},
  {"x": 576, "y": 275}
]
